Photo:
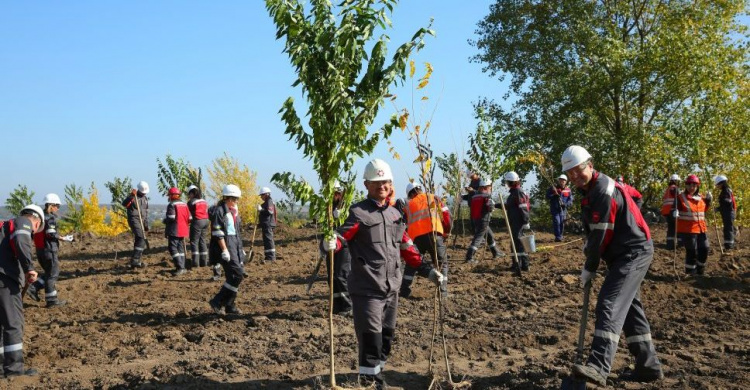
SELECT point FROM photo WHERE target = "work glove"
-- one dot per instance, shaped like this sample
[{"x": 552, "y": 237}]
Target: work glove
[
  {"x": 330, "y": 244},
  {"x": 68, "y": 238},
  {"x": 134, "y": 192},
  {"x": 709, "y": 197},
  {"x": 586, "y": 276},
  {"x": 225, "y": 255},
  {"x": 675, "y": 214},
  {"x": 260, "y": 207},
  {"x": 526, "y": 227},
  {"x": 436, "y": 277},
  {"x": 336, "y": 213}
]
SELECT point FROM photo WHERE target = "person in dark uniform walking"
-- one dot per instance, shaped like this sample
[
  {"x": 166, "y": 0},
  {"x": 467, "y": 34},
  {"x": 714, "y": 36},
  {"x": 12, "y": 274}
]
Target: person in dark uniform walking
[
  {"x": 480, "y": 209},
  {"x": 16, "y": 268},
  {"x": 136, "y": 205},
  {"x": 198, "y": 208},
  {"x": 225, "y": 248},
  {"x": 376, "y": 237},
  {"x": 616, "y": 233},
  {"x": 176, "y": 228},
  {"x": 727, "y": 208},
  {"x": 517, "y": 207},
  {"x": 267, "y": 216},
  {"x": 47, "y": 243}
]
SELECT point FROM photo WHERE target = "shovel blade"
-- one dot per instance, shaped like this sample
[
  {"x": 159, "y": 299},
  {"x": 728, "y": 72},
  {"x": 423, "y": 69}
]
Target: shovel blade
[{"x": 573, "y": 383}]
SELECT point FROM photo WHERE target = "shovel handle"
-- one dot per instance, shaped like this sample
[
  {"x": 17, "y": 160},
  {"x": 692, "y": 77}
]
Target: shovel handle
[{"x": 584, "y": 320}]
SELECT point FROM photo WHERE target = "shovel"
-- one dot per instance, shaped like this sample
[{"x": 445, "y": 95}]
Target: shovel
[
  {"x": 572, "y": 382},
  {"x": 252, "y": 245}
]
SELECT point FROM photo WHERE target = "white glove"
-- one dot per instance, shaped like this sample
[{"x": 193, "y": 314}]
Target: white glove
[
  {"x": 709, "y": 197},
  {"x": 586, "y": 277},
  {"x": 527, "y": 227},
  {"x": 260, "y": 207},
  {"x": 436, "y": 277},
  {"x": 225, "y": 255},
  {"x": 675, "y": 213},
  {"x": 336, "y": 213},
  {"x": 68, "y": 238},
  {"x": 330, "y": 244}
]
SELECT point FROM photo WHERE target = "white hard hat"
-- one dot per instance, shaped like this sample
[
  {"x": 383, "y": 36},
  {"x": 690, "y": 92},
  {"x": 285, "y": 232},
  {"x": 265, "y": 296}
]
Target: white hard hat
[
  {"x": 563, "y": 177},
  {"x": 192, "y": 187},
  {"x": 143, "y": 187},
  {"x": 51, "y": 199},
  {"x": 485, "y": 182},
  {"x": 265, "y": 190},
  {"x": 378, "y": 170},
  {"x": 674, "y": 177},
  {"x": 38, "y": 211},
  {"x": 573, "y": 156},
  {"x": 411, "y": 186},
  {"x": 511, "y": 176},
  {"x": 337, "y": 186},
  {"x": 231, "y": 190},
  {"x": 719, "y": 179}
]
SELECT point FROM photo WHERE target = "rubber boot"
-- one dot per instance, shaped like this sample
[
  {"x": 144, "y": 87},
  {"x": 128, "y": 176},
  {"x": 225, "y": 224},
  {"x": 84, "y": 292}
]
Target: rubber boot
[{"x": 470, "y": 256}]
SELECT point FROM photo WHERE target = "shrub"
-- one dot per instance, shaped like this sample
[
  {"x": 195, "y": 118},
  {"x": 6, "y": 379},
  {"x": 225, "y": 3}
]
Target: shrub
[
  {"x": 227, "y": 170},
  {"x": 19, "y": 198}
]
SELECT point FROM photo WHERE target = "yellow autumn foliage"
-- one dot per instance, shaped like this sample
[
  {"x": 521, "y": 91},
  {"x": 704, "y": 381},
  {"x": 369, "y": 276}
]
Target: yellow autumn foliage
[
  {"x": 94, "y": 218},
  {"x": 227, "y": 170}
]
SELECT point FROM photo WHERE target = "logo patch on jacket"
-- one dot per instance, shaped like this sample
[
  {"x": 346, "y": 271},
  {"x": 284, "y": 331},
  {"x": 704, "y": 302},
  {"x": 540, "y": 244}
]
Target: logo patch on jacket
[{"x": 595, "y": 217}]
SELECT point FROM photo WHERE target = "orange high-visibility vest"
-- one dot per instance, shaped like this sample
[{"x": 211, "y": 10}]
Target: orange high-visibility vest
[
  {"x": 667, "y": 202},
  {"x": 692, "y": 218},
  {"x": 422, "y": 214}
]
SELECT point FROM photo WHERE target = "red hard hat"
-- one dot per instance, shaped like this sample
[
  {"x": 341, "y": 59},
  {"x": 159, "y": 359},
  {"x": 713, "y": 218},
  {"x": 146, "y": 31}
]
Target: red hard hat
[
  {"x": 693, "y": 179},
  {"x": 174, "y": 191}
]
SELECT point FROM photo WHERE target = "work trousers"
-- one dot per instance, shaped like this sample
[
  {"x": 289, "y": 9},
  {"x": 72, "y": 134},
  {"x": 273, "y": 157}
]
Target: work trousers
[
  {"x": 482, "y": 231},
  {"x": 233, "y": 271},
  {"x": 177, "y": 251},
  {"x": 516, "y": 228},
  {"x": 619, "y": 308},
  {"x": 558, "y": 225},
  {"x": 342, "y": 266},
  {"x": 269, "y": 247},
  {"x": 51, "y": 266},
  {"x": 436, "y": 248},
  {"x": 139, "y": 243},
  {"x": 696, "y": 252},
  {"x": 728, "y": 219},
  {"x": 198, "y": 247},
  {"x": 375, "y": 326},
  {"x": 11, "y": 325}
]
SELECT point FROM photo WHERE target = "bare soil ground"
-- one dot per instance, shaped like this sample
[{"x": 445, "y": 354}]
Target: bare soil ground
[{"x": 146, "y": 329}]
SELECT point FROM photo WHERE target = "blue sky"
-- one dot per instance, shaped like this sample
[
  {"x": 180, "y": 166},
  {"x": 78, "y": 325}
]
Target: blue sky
[{"x": 93, "y": 90}]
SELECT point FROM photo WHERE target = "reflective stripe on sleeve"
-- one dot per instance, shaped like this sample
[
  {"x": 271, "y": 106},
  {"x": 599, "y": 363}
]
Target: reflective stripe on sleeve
[
  {"x": 601, "y": 226},
  {"x": 22, "y": 232}
]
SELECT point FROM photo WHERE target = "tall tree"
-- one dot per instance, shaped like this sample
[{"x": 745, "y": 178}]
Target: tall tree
[
  {"x": 344, "y": 86},
  {"x": 618, "y": 77}
]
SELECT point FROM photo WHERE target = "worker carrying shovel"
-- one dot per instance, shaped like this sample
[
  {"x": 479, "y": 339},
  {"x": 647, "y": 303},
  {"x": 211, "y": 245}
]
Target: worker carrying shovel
[
  {"x": 617, "y": 234},
  {"x": 137, "y": 206}
]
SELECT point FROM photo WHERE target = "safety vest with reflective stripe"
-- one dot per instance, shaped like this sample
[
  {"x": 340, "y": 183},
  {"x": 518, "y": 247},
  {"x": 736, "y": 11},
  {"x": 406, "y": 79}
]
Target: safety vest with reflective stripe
[
  {"x": 692, "y": 218},
  {"x": 423, "y": 216},
  {"x": 667, "y": 202}
]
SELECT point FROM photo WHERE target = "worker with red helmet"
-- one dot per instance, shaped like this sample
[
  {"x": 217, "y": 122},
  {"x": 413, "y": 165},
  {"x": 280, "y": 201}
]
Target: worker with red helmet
[
  {"x": 635, "y": 194},
  {"x": 690, "y": 215},
  {"x": 668, "y": 205},
  {"x": 176, "y": 229}
]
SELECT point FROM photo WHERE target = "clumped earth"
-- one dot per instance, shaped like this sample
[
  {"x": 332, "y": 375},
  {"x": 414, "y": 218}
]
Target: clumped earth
[{"x": 146, "y": 329}]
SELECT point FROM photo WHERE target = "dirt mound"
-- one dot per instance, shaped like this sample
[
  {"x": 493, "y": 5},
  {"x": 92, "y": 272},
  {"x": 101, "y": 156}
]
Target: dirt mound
[{"x": 146, "y": 329}]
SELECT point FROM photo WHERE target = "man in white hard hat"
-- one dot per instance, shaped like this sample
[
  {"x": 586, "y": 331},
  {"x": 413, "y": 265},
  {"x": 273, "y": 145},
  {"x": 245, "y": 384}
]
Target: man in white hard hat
[
  {"x": 518, "y": 208},
  {"x": 47, "y": 243},
  {"x": 428, "y": 221},
  {"x": 267, "y": 222},
  {"x": 225, "y": 248},
  {"x": 560, "y": 199},
  {"x": 616, "y": 233},
  {"x": 480, "y": 210},
  {"x": 376, "y": 237},
  {"x": 136, "y": 205},
  {"x": 668, "y": 205},
  {"x": 727, "y": 208},
  {"x": 16, "y": 268}
]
